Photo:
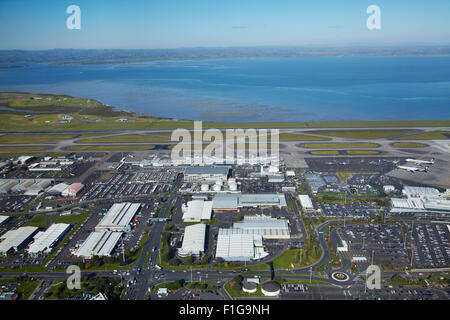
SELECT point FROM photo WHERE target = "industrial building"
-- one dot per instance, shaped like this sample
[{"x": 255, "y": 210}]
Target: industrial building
[
  {"x": 206, "y": 174},
  {"x": 26, "y": 186},
  {"x": 261, "y": 200},
  {"x": 118, "y": 217},
  {"x": 193, "y": 240},
  {"x": 14, "y": 240},
  {"x": 72, "y": 190},
  {"x": 421, "y": 199},
  {"x": 306, "y": 203},
  {"x": 271, "y": 288},
  {"x": 57, "y": 189},
  {"x": 315, "y": 181},
  {"x": 249, "y": 286},
  {"x": 23, "y": 160},
  {"x": 223, "y": 202},
  {"x": 37, "y": 187},
  {"x": 50, "y": 164},
  {"x": 197, "y": 210},
  {"x": 267, "y": 227},
  {"x": 240, "y": 245},
  {"x": 7, "y": 184},
  {"x": 3, "y": 219},
  {"x": 100, "y": 243},
  {"x": 45, "y": 241},
  {"x": 275, "y": 178},
  {"x": 22, "y": 186}
]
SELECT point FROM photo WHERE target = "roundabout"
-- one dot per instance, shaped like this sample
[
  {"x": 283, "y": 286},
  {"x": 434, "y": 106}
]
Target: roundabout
[{"x": 340, "y": 276}]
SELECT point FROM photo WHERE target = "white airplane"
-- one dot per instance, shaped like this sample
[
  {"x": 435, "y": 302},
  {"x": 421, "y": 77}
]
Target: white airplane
[
  {"x": 413, "y": 169},
  {"x": 420, "y": 161}
]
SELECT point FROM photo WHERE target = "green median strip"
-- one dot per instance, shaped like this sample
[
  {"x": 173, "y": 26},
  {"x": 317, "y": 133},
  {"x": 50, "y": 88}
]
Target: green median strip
[
  {"x": 325, "y": 152},
  {"x": 20, "y": 149},
  {"x": 339, "y": 145},
  {"x": 408, "y": 145},
  {"x": 131, "y": 138},
  {"x": 360, "y": 134},
  {"x": 362, "y": 152},
  {"x": 112, "y": 148},
  {"x": 33, "y": 138},
  {"x": 433, "y": 135}
]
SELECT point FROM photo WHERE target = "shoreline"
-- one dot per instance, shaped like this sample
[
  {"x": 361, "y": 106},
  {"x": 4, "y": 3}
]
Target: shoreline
[{"x": 210, "y": 124}]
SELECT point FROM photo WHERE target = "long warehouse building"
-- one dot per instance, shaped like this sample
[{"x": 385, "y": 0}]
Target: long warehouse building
[
  {"x": 14, "y": 240},
  {"x": 267, "y": 227},
  {"x": 226, "y": 201},
  {"x": 100, "y": 243},
  {"x": 48, "y": 239},
  {"x": 118, "y": 217},
  {"x": 240, "y": 245}
]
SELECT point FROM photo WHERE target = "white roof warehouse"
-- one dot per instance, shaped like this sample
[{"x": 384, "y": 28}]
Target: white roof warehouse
[
  {"x": 268, "y": 227},
  {"x": 15, "y": 240},
  {"x": 48, "y": 239},
  {"x": 194, "y": 240},
  {"x": 118, "y": 217},
  {"x": 99, "y": 244},
  {"x": 240, "y": 245},
  {"x": 197, "y": 210},
  {"x": 253, "y": 200}
]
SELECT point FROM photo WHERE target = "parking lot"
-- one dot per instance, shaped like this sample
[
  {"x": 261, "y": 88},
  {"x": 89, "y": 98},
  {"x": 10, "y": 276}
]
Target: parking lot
[
  {"x": 14, "y": 203},
  {"x": 353, "y": 164},
  {"x": 359, "y": 292},
  {"x": 186, "y": 294},
  {"x": 384, "y": 241},
  {"x": 353, "y": 209},
  {"x": 431, "y": 245},
  {"x": 120, "y": 185}
]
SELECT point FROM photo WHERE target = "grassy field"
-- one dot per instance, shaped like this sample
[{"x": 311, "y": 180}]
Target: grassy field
[
  {"x": 329, "y": 124},
  {"x": 30, "y": 100},
  {"x": 20, "y": 149},
  {"x": 365, "y": 152},
  {"x": 112, "y": 148},
  {"x": 408, "y": 145},
  {"x": 299, "y": 137},
  {"x": 433, "y": 135},
  {"x": 339, "y": 145},
  {"x": 136, "y": 138},
  {"x": 71, "y": 218},
  {"x": 34, "y": 154},
  {"x": 360, "y": 134},
  {"x": 301, "y": 281},
  {"x": 89, "y": 114},
  {"x": 33, "y": 138},
  {"x": 325, "y": 152},
  {"x": 38, "y": 221}
]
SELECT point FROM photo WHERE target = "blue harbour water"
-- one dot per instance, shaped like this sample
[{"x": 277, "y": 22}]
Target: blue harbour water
[{"x": 284, "y": 89}]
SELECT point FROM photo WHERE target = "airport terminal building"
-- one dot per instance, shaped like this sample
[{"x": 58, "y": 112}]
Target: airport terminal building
[{"x": 206, "y": 174}]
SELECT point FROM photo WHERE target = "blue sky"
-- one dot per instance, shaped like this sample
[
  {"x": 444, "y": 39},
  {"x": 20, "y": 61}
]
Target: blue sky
[{"x": 41, "y": 24}]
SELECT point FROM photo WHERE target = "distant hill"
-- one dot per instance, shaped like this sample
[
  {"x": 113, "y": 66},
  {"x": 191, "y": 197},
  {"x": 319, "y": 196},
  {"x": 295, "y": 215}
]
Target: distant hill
[{"x": 94, "y": 56}]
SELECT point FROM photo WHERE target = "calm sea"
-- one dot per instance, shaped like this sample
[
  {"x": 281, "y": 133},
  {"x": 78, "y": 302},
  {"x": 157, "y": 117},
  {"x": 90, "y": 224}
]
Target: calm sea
[{"x": 294, "y": 89}]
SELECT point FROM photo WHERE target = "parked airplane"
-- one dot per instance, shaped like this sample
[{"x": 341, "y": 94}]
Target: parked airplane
[
  {"x": 420, "y": 161},
  {"x": 413, "y": 169}
]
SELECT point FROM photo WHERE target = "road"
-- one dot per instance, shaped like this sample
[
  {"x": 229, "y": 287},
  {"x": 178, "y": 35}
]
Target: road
[{"x": 139, "y": 290}]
